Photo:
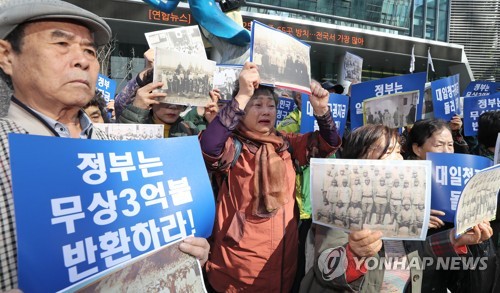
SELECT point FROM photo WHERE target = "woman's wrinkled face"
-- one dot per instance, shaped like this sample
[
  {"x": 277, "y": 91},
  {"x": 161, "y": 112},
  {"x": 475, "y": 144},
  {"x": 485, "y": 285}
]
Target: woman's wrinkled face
[
  {"x": 441, "y": 141},
  {"x": 393, "y": 151},
  {"x": 260, "y": 113}
]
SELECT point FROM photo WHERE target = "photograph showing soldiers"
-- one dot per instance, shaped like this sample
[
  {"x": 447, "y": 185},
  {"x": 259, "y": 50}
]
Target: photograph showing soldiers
[
  {"x": 332, "y": 197},
  {"x": 384, "y": 197},
  {"x": 281, "y": 58},
  {"x": 381, "y": 200},
  {"x": 419, "y": 218},
  {"x": 367, "y": 200},
  {"x": 406, "y": 220},
  {"x": 395, "y": 110},
  {"x": 478, "y": 200},
  {"x": 186, "y": 79},
  {"x": 395, "y": 199}
]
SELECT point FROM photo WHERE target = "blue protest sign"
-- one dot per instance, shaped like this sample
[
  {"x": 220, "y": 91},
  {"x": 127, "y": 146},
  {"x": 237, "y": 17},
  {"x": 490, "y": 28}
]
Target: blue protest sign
[
  {"x": 339, "y": 105},
  {"x": 450, "y": 173},
  {"x": 446, "y": 97},
  {"x": 481, "y": 88},
  {"x": 83, "y": 206},
  {"x": 382, "y": 87},
  {"x": 284, "y": 107},
  {"x": 107, "y": 87},
  {"x": 474, "y": 107}
]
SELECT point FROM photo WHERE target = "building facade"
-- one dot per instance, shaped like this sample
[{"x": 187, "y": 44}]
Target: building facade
[
  {"x": 476, "y": 26},
  {"x": 382, "y": 32}
]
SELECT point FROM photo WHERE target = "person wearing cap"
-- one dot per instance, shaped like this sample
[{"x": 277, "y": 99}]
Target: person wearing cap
[
  {"x": 333, "y": 88},
  {"x": 48, "y": 58}
]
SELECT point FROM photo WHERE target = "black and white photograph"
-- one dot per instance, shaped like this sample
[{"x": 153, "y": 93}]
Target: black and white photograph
[
  {"x": 166, "y": 269},
  {"x": 283, "y": 60},
  {"x": 389, "y": 196},
  {"x": 187, "y": 80},
  {"x": 131, "y": 131},
  {"x": 428, "y": 107},
  {"x": 352, "y": 68},
  {"x": 478, "y": 201},
  {"x": 395, "y": 110},
  {"x": 224, "y": 78},
  {"x": 185, "y": 39}
]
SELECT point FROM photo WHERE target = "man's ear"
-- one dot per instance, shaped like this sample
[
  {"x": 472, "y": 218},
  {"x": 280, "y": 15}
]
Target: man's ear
[
  {"x": 417, "y": 150},
  {"x": 5, "y": 57}
]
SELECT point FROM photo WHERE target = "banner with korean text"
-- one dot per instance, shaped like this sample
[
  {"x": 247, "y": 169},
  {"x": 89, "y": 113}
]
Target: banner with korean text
[
  {"x": 339, "y": 105},
  {"x": 284, "y": 107},
  {"x": 474, "y": 107},
  {"x": 481, "y": 88},
  {"x": 382, "y": 87},
  {"x": 107, "y": 87},
  {"x": 446, "y": 97},
  {"x": 83, "y": 206},
  {"x": 450, "y": 173}
]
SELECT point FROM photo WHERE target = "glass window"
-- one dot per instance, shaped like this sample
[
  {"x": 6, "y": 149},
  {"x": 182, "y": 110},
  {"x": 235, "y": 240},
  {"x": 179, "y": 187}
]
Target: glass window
[
  {"x": 430, "y": 21},
  {"x": 418, "y": 19},
  {"x": 443, "y": 20}
]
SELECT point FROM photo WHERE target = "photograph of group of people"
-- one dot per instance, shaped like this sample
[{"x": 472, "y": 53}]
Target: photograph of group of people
[
  {"x": 361, "y": 194},
  {"x": 282, "y": 59},
  {"x": 353, "y": 66},
  {"x": 186, "y": 40},
  {"x": 186, "y": 78},
  {"x": 396, "y": 110},
  {"x": 478, "y": 200},
  {"x": 164, "y": 270},
  {"x": 126, "y": 131}
]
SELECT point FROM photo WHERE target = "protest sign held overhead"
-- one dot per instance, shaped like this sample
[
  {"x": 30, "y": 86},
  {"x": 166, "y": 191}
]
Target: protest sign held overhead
[
  {"x": 338, "y": 104},
  {"x": 474, "y": 107},
  {"x": 446, "y": 97},
  {"x": 382, "y": 87}
]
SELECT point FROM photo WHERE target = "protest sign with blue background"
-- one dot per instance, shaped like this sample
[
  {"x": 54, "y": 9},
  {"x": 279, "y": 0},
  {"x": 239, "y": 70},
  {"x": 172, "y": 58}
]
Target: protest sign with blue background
[
  {"x": 481, "y": 88},
  {"x": 446, "y": 97},
  {"x": 474, "y": 107},
  {"x": 382, "y": 87},
  {"x": 83, "y": 206},
  {"x": 339, "y": 105},
  {"x": 285, "y": 106},
  {"x": 450, "y": 173},
  {"x": 107, "y": 87}
]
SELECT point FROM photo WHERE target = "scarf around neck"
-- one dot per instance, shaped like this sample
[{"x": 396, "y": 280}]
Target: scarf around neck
[{"x": 270, "y": 179}]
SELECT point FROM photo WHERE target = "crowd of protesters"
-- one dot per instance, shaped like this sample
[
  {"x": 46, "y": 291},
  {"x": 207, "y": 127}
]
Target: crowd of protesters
[{"x": 263, "y": 238}]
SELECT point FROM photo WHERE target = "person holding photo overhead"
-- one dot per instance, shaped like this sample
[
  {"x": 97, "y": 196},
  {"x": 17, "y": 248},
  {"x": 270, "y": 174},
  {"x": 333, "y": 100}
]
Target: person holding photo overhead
[
  {"x": 254, "y": 240},
  {"x": 146, "y": 109},
  {"x": 377, "y": 142}
]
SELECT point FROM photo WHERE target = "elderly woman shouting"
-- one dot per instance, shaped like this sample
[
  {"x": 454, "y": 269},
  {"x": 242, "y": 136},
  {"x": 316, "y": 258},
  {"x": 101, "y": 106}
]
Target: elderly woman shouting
[{"x": 254, "y": 241}]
